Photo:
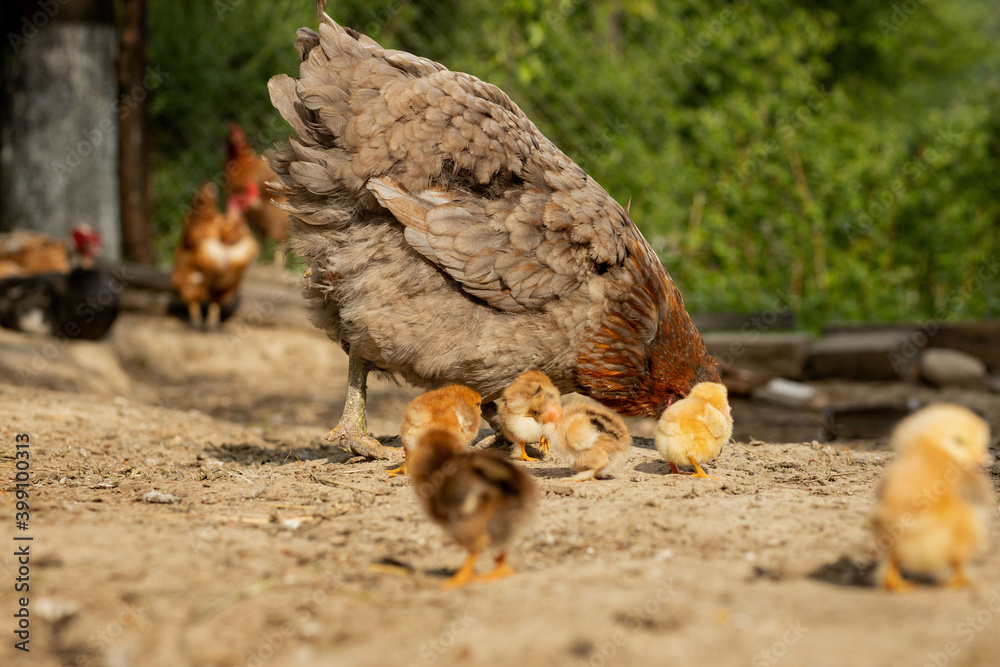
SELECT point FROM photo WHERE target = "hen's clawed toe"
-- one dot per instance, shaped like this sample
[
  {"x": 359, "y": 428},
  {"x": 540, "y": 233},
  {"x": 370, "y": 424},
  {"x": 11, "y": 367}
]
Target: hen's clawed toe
[{"x": 356, "y": 442}]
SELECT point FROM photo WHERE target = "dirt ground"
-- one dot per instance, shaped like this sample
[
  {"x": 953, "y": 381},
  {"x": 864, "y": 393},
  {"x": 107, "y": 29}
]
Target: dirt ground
[{"x": 273, "y": 550}]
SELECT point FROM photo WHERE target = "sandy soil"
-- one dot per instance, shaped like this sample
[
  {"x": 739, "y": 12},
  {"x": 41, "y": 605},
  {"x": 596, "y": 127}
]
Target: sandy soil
[{"x": 275, "y": 551}]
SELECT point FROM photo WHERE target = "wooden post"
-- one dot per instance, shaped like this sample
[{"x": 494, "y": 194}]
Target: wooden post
[{"x": 133, "y": 135}]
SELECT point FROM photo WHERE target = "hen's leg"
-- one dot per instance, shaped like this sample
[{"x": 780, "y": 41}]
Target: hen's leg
[
  {"x": 698, "y": 472},
  {"x": 351, "y": 433},
  {"x": 214, "y": 318},
  {"x": 194, "y": 314}
]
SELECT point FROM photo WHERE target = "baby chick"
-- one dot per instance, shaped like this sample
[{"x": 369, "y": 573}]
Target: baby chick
[
  {"x": 592, "y": 439},
  {"x": 454, "y": 408},
  {"x": 694, "y": 429},
  {"x": 479, "y": 498},
  {"x": 530, "y": 402},
  {"x": 933, "y": 501}
]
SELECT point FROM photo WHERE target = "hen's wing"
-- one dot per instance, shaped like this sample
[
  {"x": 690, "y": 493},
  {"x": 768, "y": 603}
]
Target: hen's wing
[{"x": 481, "y": 192}]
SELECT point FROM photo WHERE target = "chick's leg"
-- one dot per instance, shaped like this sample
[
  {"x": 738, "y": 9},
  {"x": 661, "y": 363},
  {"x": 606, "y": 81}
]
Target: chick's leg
[
  {"x": 674, "y": 470},
  {"x": 958, "y": 577},
  {"x": 351, "y": 433},
  {"x": 698, "y": 472},
  {"x": 465, "y": 573},
  {"x": 524, "y": 454},
  {"x": 402, "y": 469},
  {"x": 586, "y": 475},
  {"x": 501, "y": 570},
  {"x": 893, "y": 580}
]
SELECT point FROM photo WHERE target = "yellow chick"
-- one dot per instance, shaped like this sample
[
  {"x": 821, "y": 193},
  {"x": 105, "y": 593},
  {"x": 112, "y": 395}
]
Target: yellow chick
[
  {"x": 455, "y": 408},
  {"x": 530, "y": 402},
  {"x": 591, "y": 438},
  {"x": 479, "y": 498},
  {"x": 933, "y": 502},
  {"x": 694, "y": 429}
]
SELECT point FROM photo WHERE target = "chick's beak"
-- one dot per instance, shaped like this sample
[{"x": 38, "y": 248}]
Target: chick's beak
[{"x": 552, "y": 414}]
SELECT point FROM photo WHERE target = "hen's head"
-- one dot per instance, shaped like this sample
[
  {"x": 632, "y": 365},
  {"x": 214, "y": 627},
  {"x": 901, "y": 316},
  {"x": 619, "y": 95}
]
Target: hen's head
[
  {"x": 645, "y": 353},
  {"x": 86, "y": 240}
]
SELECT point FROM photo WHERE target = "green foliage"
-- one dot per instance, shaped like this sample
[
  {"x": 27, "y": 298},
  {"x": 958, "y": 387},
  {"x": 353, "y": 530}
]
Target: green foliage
[{"x": 843, "y": 158}]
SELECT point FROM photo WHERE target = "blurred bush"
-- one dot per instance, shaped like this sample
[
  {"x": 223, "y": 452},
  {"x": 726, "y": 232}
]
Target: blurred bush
[{"x": 833, "y": 156}]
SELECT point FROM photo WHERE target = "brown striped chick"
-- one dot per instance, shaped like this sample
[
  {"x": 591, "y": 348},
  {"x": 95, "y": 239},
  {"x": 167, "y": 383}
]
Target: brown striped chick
[
  {"x": 591, "y": 438},
  {"x": 479, "y": 498},
  {"x": 530, "y": 402},
  {"x": 933, "y": 501},
  {"x": 454, "y": 408},
  {"x": 694, "y": 429}
]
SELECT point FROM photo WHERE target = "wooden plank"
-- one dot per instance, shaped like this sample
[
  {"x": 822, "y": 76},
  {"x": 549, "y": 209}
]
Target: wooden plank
[
  {"x": 870, "y": 355},
  {"x": 778, "y": 354}
]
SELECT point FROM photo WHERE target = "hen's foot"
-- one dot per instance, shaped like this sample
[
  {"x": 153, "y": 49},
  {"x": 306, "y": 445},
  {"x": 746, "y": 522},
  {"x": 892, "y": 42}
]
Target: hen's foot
[
  {"x": 194, "y": 315},
  {"x": 356, "y": 441}
]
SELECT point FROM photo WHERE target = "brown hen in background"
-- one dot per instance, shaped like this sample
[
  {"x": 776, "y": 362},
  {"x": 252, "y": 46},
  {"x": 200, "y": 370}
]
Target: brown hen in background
[{"x": 450, "y": 242}]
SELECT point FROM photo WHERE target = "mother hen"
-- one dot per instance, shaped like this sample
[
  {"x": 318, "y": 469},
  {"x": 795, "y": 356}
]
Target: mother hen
[{"x": 450, "y": 242}]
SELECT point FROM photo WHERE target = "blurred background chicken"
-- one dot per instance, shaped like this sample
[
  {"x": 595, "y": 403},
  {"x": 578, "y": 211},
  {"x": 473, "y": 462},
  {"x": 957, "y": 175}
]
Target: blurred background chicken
[
  {"x": 934, "y": 503},
  {"x": 450, "y": 242},
  {"x": 480, "y": 499},
  {"x": 24, "y": 252},
  {"x": 212, "y": 255},
  {"x": 53, "y": 286},
  {"x": 454, "y": 409},
  {"x": 247, "y": 176},
  {"x": 530, "y": 402},
  {"x": 591, "y": 438},
  {"x": 693, "y": 430}
]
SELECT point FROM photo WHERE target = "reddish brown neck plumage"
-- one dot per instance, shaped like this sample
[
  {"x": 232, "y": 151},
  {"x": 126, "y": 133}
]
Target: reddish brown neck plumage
[{"x": 647, "y": 352}]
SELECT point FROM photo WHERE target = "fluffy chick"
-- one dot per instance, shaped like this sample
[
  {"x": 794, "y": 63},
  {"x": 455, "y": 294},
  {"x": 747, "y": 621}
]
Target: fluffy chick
[
  {"x": 591, "y": 438},
  {"x": 479, "y": 498},
  {"x": 454, "y": 408},
  {"x": 530, "y": 402},
  {"x": 933, "y": 501},
  {"x": 694, "y": 429}
]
